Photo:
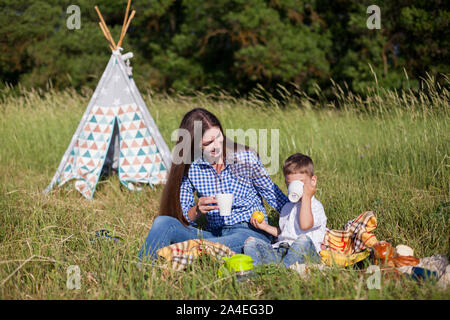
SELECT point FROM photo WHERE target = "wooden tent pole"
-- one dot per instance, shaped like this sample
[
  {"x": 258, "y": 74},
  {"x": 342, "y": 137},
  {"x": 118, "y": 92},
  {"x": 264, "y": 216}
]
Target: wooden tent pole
[
  {"x": 122, "y": 34},
  {"x": 126, "y": 27},
  {"x": 105, "y": 26},
  {"x": 104, "y": 29},
  {"x": 106, "y": 36}
]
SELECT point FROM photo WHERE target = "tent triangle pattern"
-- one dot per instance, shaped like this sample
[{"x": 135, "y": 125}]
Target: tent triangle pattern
[
  {"x": 85, "y": 162},
  {"x": 140, "y": 160}
]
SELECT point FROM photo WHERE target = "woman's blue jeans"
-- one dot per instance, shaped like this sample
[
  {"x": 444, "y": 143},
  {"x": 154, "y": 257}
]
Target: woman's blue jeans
[
  {"x": 299, "y": 251},
  {"x": 167, "y": 230}
]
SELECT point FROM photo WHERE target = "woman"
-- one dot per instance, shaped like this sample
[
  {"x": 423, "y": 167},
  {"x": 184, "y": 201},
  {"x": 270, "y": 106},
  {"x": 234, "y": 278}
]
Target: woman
[{"x": 213, "y": 164}]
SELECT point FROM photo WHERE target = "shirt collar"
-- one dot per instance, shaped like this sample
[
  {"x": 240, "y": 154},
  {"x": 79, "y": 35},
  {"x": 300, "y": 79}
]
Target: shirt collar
[{"x": 228, "y": 160}]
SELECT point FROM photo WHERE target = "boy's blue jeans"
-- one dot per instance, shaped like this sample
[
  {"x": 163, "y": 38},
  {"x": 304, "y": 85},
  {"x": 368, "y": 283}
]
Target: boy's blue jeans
[
  {"x": 299, "y": 251},
  {"x": 167, "y": 230}
]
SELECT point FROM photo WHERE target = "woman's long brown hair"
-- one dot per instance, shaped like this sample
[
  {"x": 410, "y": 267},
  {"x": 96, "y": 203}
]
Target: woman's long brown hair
[{"x": 170, "y": 201}]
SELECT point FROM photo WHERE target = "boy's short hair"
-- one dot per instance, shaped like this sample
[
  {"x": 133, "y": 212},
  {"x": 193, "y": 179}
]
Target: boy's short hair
[{"x": 298, "y": 163}]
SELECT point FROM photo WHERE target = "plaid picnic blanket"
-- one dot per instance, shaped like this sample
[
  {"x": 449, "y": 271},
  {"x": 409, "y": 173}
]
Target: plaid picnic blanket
[
  {"x": 180, "y": 255},
  {"x": 355, "y": 237}
]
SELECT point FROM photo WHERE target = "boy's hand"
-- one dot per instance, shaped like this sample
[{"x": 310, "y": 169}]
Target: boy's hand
[
  {"x": 257, "y": 225},
  {"x": 309, "y": 189}
]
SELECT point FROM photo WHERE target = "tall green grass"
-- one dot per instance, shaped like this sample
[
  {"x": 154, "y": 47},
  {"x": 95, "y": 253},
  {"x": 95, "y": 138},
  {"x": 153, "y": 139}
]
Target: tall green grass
[{"x": 387, "y": 152}]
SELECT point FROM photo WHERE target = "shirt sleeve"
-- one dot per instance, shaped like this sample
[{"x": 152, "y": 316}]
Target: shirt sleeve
[
  {"x": 265, "y": 186},
  {"x": 187, "y": 197},
  {"x": 318, "y": 214}
]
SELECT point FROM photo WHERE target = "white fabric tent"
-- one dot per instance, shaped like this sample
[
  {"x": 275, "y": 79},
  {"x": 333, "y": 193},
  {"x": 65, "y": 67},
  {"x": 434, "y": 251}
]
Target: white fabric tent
[{"x": 116, "y": 133}]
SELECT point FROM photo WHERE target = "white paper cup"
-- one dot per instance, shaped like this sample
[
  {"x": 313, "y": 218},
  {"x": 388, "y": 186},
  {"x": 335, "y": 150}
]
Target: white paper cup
[
  {"x": 225, "y": 201},
  {"x": 295, "y": 191}
]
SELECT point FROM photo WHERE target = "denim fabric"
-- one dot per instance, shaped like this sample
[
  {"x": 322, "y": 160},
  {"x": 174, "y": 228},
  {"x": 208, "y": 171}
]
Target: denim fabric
[
  {"x": 300, "y": 251},
  {"x": 167, "y": 230}
]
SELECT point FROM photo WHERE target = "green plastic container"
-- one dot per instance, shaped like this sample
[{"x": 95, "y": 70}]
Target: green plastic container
[{"x": 239, "y": 264}]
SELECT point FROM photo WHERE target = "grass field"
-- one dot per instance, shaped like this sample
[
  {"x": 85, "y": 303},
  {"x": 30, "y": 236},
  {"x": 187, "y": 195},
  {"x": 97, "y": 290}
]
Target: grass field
[{"x": 388, "y": 153}]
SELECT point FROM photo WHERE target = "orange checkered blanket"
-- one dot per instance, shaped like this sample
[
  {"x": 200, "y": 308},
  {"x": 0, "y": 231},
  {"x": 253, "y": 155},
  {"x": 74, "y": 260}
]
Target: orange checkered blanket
[
  {"x": 180, "y": 255},
  {"x": 355, "y": 237}
]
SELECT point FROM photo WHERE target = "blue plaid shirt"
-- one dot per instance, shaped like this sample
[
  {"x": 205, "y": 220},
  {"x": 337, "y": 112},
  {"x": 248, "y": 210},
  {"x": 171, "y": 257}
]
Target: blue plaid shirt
[{"x": 244, "y": 176}]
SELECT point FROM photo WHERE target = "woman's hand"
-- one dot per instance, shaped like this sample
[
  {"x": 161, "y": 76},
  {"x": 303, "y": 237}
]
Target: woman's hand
[
  {"x": 204, "y": 204},
  {"x": 202, "y": 207}
]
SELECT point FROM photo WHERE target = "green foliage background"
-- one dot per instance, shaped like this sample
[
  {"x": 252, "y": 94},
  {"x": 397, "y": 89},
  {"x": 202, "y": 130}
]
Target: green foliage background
[{"x": 228, "y": 44}]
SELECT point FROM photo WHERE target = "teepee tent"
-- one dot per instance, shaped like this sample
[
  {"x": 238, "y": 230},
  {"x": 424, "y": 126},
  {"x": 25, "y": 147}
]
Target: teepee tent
[{"x": 116, "y": 131}]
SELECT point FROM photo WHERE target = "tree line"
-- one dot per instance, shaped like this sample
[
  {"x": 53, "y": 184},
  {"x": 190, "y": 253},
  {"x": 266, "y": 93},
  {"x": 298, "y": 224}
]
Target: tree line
[{"x": 231, "y": 45}]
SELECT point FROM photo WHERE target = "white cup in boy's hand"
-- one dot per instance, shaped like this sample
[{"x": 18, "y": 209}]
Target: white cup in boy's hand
[{"x": 295, "y": 191}]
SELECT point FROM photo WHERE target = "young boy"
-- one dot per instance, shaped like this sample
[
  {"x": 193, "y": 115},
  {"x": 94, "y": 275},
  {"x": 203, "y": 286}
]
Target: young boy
[{"x": 302, "y": 224}]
